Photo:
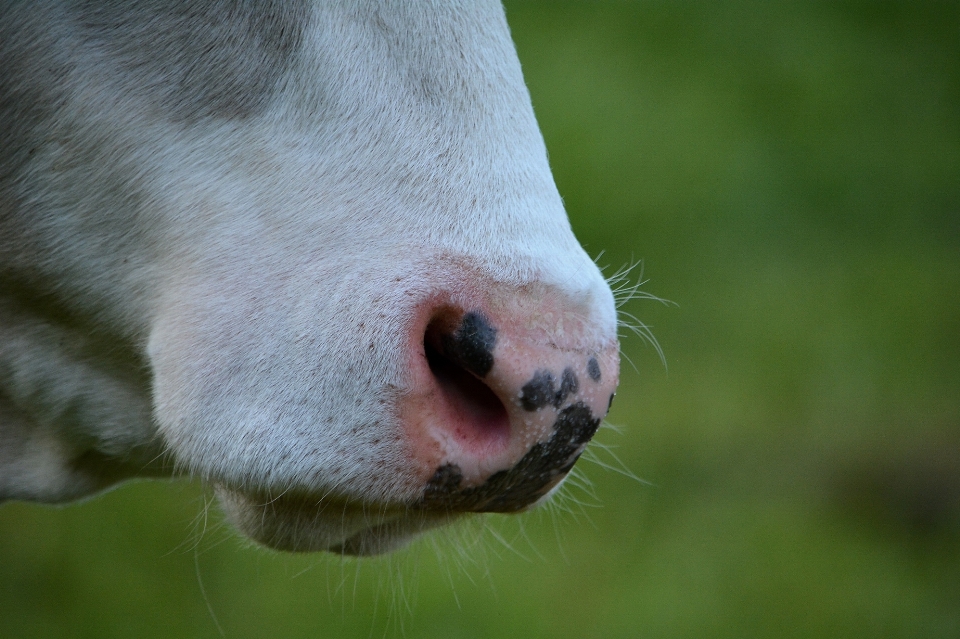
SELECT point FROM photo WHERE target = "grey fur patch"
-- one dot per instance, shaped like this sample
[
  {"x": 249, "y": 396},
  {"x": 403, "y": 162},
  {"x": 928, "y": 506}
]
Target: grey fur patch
[
  {"x": 60, "y": 62},
  {"x": 33, "y": 72},
  {"x": 198, "y": 59}
]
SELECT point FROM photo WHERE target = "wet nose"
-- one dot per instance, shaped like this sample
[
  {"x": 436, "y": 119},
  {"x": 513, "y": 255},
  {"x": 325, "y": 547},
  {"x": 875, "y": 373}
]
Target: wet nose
[{"x": 508, "y": 404}]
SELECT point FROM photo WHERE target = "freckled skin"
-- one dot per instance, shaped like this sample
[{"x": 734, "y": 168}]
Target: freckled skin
[
  {"x": 558, "y": 415},
  {"x": 515, "y": 489}
]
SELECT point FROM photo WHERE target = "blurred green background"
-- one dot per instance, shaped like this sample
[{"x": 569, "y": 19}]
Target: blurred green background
[{"x": 789, "y": 173}]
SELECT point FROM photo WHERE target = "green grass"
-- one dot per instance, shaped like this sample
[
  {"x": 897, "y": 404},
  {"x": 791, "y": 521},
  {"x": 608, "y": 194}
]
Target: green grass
[{"x": 789, "y": 173}]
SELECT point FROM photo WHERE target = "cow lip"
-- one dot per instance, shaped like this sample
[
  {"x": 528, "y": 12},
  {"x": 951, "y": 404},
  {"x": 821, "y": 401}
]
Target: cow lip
[
  {"x": 301, "y": 523},
  {"x": 390, "y": 535}
]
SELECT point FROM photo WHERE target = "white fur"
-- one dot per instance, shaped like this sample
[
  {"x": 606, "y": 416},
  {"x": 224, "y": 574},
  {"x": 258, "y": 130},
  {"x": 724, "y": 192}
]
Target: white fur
[{"x": 225, "y": 295}]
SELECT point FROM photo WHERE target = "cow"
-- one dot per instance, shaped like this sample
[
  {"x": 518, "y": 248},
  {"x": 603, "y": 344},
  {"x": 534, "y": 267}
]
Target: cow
[{"x": 311, "y": 253}]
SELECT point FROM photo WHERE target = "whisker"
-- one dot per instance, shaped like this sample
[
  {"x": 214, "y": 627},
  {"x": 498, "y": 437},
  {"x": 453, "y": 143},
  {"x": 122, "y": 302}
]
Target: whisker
[{"x": 620, "y": 468}]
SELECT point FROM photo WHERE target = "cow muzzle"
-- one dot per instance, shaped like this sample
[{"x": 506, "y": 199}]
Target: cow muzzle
[
  {"x": 506, "y": 400},
  {"x": 499, "y": 394}
]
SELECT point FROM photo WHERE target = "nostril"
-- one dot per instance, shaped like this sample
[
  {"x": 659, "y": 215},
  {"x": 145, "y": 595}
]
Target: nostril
[{"x": 477, "y": 416}]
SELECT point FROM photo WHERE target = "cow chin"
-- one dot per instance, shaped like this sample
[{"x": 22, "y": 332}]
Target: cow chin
[{"x": 304, "y": 524}]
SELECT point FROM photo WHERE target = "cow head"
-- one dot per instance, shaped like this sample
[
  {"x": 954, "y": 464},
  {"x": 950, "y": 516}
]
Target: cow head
[{"x": 354, "y": 290}]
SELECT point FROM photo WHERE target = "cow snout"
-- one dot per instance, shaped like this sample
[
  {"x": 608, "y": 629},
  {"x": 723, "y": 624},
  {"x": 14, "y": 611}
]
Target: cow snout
[{"x": 506, "y": 401}]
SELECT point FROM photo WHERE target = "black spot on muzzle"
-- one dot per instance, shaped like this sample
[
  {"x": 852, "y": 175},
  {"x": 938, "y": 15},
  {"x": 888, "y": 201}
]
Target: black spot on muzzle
[
  {"x": 593, "y": 369},
  {"x": 471, "y": 345},
  {"x": 515, "y": 489},
  {"x": 540, "y": 391}
]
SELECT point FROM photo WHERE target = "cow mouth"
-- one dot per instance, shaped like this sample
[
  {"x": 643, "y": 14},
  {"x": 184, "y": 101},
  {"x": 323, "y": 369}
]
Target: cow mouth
[
  {"x": 302, "y": 524},
  {"x": 390, "y": 535}
]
